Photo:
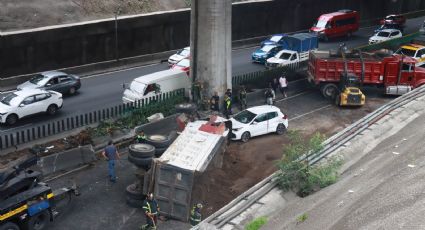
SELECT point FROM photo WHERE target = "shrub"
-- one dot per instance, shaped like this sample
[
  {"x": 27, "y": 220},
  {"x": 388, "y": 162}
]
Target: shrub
[
  {"x": 296, "y": 174},
  {"x": 256, "y": 223}
]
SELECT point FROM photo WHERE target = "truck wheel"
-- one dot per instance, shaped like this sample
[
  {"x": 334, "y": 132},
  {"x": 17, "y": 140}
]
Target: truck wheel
[
  {"x": 159, "y": 151},
  {"x": 159, "y": 141},
  {"x": 39, "y": 221},
  {"x": 141, "y": 150},
  {"x": 329, "y": 90},
  {"x": 140, "y": 162},
  {"x": 134, "y": 193},
  {"x": 9, "y": 226}
]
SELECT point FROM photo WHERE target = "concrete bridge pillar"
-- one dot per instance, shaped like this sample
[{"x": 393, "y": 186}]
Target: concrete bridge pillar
[{"x": 211, "y": 45}]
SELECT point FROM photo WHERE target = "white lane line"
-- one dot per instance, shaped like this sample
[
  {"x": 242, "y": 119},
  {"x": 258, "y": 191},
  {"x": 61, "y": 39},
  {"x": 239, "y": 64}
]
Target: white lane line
[{"x": 313, "y": 111}]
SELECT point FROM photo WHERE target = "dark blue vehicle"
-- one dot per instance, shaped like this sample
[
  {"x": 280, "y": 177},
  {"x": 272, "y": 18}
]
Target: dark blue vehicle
[
  {"x": 389, "y": 26},
  {"x": 273, "y": 40},
  {"x": 265, "y": 52}
]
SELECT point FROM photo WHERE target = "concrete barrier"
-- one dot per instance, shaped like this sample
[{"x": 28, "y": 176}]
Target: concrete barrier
[{"x": 66, "y": 160}]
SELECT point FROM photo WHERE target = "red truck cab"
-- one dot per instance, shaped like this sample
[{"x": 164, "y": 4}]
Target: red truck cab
[{"x": 337, "y": 24}]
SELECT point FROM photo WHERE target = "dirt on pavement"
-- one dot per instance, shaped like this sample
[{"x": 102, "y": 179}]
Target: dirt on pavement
[{"x": 246, "y": 164}]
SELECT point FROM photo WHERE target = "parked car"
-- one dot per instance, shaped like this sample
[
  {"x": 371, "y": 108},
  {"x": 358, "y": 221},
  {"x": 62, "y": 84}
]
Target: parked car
[
  {"x": 389, "y": 26},
  {"x": 265, "y": 52},
  {"x": 22, "y": 103},
  {"x": 336, "y": 24},
  {"x": 273, "y": 40},
  {"x": 394, "y": 19},
  {"x": 53, "y": 80},
  {"x": 181, "y": 54},
  {"x": 183, "y": 65},
  {"x": 385, "y": 35},
  {"x": 257, "y": 121}
]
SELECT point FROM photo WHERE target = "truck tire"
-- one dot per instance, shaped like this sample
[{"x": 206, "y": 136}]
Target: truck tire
[
  {"x": 9, "y": 226},
  {"x": 134, "y": 203},
  {"x": 134, "y": 193},
  {"x": 141, "y": 150},
  {"x": 329, "y": 90},
  {"x": 140, "y": 162},
  {"x": 159, "y": 141},
  {"x": 39, "y": 221},
  {"x": 160, "y": 151},
  {"x": 185, "y": 108}
]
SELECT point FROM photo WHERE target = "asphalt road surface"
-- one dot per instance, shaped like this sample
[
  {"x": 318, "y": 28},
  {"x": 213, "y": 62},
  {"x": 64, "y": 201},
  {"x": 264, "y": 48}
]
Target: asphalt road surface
[{"x": 105, "y": 90}]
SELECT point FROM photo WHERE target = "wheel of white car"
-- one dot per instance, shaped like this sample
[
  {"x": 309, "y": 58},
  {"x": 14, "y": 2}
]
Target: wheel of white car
[
  {"x": 280, "y": 129},
  {"x": 52, "y": 109},
  {"x": 245, "y": 137},
  {"x": 11, "y": 119}
]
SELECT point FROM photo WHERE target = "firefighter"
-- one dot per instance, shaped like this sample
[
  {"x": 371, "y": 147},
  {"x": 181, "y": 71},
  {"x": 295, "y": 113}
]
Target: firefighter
[
  {"x": 151, "y": 209},
  {"x": 141, "y": 137},
  {"x": 195, "y": 214},
  {"x": 227, "y": 106},
  {"x": 242, "y": 98}
]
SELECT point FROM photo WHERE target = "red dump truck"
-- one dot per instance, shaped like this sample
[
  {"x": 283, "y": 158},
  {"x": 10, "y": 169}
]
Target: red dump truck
[{"x": 396, "y": 73}]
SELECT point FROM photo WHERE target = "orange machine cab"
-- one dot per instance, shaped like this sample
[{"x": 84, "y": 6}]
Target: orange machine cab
[{"x": 341, "y": 23}]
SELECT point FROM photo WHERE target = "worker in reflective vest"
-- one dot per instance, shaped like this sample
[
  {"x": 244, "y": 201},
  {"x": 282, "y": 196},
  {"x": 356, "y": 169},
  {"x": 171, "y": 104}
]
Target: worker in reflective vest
[
  {"x": 141, "y": 137},
  {"x": 195, "y": 214},
  {"x": 227, "y": 106},
  {"x": 151, "y": 209}
]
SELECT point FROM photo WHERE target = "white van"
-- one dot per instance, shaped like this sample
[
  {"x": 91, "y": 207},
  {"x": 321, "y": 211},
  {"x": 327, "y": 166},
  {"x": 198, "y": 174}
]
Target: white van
[{"x": 155, "y": 84}]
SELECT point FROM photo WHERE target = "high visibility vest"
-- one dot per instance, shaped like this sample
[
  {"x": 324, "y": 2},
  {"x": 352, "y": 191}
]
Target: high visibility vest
[
  {"x": 195, "y": 217},
  {"x": 147, "y": 207},
  {"x": 228, "y": 103}
]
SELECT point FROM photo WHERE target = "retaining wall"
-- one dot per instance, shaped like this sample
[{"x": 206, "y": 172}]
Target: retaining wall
[{"x": 30, "y": 51}]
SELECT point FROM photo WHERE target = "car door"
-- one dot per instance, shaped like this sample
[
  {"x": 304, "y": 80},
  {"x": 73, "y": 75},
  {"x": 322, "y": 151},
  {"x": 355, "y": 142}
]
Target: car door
[
  {"x": 27, "y": 107},
  {"x": 41, "y": 101},
  {"x": 53, "y": 84},
  {"x": 64, "y": 84},
  {"x": 259, "y": 125},
  {"x": 272, "y": 122}
]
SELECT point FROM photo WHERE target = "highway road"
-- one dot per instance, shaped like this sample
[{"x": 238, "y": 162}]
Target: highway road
[{"x": 104, "y": 90}]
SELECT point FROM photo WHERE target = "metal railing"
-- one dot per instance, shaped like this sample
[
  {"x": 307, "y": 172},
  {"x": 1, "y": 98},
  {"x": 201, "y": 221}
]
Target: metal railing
[{"x": 24, "y": 135}]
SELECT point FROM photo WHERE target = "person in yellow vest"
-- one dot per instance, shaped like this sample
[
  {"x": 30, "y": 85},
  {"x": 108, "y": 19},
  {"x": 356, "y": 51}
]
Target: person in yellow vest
[
  {"x": 195, "y": 214},
  {"x": 151, "y": 209},
  {"x": 141, "y": 137},
  {"x": 227, "y": 106}
]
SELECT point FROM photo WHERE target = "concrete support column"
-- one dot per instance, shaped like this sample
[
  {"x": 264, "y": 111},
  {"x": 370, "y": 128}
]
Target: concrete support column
[{"x": 211, "y": 45}]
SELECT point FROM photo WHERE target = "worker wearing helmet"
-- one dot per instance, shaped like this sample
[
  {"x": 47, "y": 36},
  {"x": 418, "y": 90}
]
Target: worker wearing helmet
[
  {"x": 151, "y": 209},
  {"x": 195, "y": 214}
]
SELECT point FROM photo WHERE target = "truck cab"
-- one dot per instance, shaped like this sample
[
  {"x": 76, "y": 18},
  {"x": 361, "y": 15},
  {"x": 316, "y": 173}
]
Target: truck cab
[{"x": 286, "y": 57}]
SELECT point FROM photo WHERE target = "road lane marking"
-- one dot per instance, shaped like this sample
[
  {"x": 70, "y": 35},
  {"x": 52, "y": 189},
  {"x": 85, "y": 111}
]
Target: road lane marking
[{"x": 313, "y": 111}]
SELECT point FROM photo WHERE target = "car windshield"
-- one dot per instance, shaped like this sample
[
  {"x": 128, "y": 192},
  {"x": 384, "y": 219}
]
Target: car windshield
[
  {"x": 407, "y": 52},
  {"x": 245, "y": 116},
  {"x": 267, "y": 48},
  {"x": 383, "y": 34},
  {"x": 137, "y": 87},
  {"x": 321, "y": 23},
  {"x": 276, "y": 38},
  {"x": 10, "y": 99},
  {"x": 184, "y": 52},
  {"x": 184, "y": 63},
  {"x": 285, "y": 56},
  {"x": 38, "y": 79}
]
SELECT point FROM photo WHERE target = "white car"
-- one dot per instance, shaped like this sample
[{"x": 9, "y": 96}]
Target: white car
[
  {"x": 180, "y": 55},
  {"x": 22, "y": 103},
  {"x": 385, "y": 35},
  {"x": 257, "y": 121}
]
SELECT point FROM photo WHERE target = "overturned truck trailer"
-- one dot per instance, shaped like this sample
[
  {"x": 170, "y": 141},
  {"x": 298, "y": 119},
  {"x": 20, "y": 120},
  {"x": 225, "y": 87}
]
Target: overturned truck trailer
[{"x": 176, "y": 172}]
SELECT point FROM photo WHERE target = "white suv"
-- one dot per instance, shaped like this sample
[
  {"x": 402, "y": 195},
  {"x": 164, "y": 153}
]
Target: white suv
[
  {"x": 257, "y": 121},
  {"x": 24, "y": 103}
]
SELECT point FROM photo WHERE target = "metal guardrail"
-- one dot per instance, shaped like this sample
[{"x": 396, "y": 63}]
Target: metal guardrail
[
  {"x": 28, "y": 134},
  {"x": 249, "y": 197}
]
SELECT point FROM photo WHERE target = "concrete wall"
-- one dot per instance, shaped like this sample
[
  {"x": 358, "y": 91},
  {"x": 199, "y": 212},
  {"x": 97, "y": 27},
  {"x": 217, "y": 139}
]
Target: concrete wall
[{"x": 77, "y": 44}]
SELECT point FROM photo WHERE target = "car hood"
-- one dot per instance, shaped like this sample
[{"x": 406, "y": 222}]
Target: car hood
[
  {"x": 176, "y": 57},
  {"x": 276, "y": 60},
  {"x": 4, "y": 108},
  {"x": 27, "y": 85},
  {"x": 259, "y": 53},
  {"x": 268, "y": 42},
  {"x": 236, "y": 124}
]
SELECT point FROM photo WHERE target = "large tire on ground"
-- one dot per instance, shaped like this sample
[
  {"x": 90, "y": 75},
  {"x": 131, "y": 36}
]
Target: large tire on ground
[
  {"x": 329, "y": 91},
  {"x": 280, "y": 129},
  {"x": 52, "y": 110},
  {"x": 140, "y": 162},
  {"x": 141, "y": 150},
  {"x": 9, "y": 226},
  {"x": 133, "y": 202},
  {"x": 185, "y": 108},
  {"x": 245, "y": 137},
  {"x": 134, "y": 193},
  {"x": 159, "y": 151},
  {"x": 159, "y": 141},
  {"x": 11, "y": 119},
  {"x": 39, "y": 221}
]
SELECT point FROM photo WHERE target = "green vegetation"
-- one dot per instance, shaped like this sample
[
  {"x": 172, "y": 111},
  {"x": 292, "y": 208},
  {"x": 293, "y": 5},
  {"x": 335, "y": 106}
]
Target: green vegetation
[
  {"x": 256, "y": 223},
  {"x": 302, "y": 218},
  {"x": 296, "y": 174}
]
